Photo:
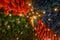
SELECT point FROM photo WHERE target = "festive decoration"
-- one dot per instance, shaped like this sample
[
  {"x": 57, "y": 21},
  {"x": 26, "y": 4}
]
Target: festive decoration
[
  {"x": 29, "y": 19},
  {"x": 44, "y": 4},
  {"x": 44, "y": 33},
  {"x": 15, "y": 6},
  {"x": 52, "y": 19},
  {"x": 34, "y": 15},
  {"x": 15, "y": 28},
  {"x": 33, "y": 20}
]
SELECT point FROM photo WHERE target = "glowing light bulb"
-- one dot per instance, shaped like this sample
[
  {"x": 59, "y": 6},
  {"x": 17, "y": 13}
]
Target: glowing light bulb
[
  {"x": 32, "y": 12},
  {"x": 42, "y": 23},
  {"x": 26, "y": 25},
  {"x": 34, "y": 17},
  {"x": 55, "y": 9},
  {"x": 44, "y": 12},
  {"x": 27, "y": 16},
  {"x": 20, "y": 14},
  {"x": 10, "y": 15},
  {"x": 18, "y": 22},
  {"x": 54, "y": 34},
  {"x": 37, "y": 13},
  {"x": 8, "y": 26},
  {"x": 29, "y": 4},
  {"x": 34, "y": 28},
  {"x": 35, "y": 34},
  {"x": 17, "y": 38},
  {"x": 29, "y": 13},
  {"x": 48, "y": 29},
  {"x": 32, "y": 9},
  {"x": 22, "y": 32},
  {"x": 49, "y": 19}
]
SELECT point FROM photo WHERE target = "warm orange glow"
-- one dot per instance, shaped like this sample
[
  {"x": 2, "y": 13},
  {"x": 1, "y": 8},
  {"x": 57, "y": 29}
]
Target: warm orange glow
[
  {"x": 16, "y": 6},
  {"x": 44, "y": 33},
  {"x": 55, "y": 9},
  {"x": 32, "y": 20}
]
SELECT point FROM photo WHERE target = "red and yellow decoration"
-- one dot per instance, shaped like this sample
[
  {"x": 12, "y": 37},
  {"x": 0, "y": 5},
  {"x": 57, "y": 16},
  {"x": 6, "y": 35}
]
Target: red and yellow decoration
[
  {"x": 44, "y": 33},
  {"x": 34, "y": 15},
  {"x": 15, "y": 6},
  {"x": 32, "y": 19}
]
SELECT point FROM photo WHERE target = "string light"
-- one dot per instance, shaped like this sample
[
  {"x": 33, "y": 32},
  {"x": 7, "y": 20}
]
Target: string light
[
  {"x": 22, "y": 32},
  {"x": 29, "y": 13},
  {"x": 34, "y": 17},
  {"x": 54, "y": 34},
  {"x": 44, "y": 12},
  {"x": 10, "y": 14},
  {"x": 29, "y": 4},
  {"x": 17, "y": 38},
  {"x": 37, "y": 13},
  {"x": 49, "y": 19},
  {"x": 25, "y": 25},
  {"x": 35, "y": 34},
  {"x": 32, "y": 12},
  {"x": 32, "y": 9},
  {"x": 27, "y": 16},
  {"x": 34, "y": 28},
  {"x": 48, "y": 29},
  {"x": 8, "y": 26},
  {"x": 56, "y": 9},
  {"x": 42, "y": 23},
  {"x": 18, "y": 22},
  {"x": 20, "y": 14}
]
